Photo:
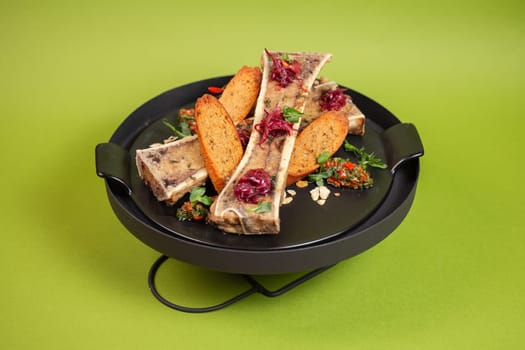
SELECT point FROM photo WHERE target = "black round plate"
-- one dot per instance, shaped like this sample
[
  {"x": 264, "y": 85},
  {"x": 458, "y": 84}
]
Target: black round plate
[{"x": 303, "y": 221}]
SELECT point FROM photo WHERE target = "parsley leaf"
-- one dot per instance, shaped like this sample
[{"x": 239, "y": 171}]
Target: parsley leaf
[
  {"x": 291, "y": 115},
  {"x": 197, "y": 195},
  {"x": 323, "y": 157},
  {"x": 320, "y": 176},
  {"x": 365, "y": 159},
  {"x": 351, "y": 148},
  {"x": 185, "y": 129},
  {"x": 262, "y": 207},
  {"x": 372, "y": 160},
  {"x": 323, "y": 173}
]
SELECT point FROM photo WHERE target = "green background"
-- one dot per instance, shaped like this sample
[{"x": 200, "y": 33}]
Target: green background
[{"x": 450, "y": 276}]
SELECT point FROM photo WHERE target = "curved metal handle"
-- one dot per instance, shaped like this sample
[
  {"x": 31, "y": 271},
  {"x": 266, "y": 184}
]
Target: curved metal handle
[
  {"x": 402, "y": 142},
  {"x": 256, "y": 287},
  {"x": 112, "y": 162}
]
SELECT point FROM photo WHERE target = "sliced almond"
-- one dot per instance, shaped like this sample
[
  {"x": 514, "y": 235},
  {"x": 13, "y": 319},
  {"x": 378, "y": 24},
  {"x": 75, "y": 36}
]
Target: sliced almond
[
  {"x": 314, "y": 193},
  {"x": 324, "y": 192},
  {"x": 287, "y": 200},
  {"x": 301, "y": 183}
]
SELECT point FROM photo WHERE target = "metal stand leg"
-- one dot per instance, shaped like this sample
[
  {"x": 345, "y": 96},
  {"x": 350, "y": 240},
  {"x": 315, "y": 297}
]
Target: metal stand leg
[{"x": 256, "y": 287}]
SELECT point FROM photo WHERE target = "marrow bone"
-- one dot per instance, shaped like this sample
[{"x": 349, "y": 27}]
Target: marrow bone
[{"x": 227, "y": 212}]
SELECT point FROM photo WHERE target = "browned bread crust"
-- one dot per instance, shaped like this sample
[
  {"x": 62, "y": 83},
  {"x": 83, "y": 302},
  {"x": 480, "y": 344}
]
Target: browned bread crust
[
  {"x": 220, "y": 144},
  {"x": 240, "y": 94},
  {"x": 325, "y": 134}
]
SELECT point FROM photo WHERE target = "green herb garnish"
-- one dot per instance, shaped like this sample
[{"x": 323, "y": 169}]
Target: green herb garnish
[
  {"x": 365, "y": 159},
  {"x": 323, "y": 173},
  {"x": 291, "y": 115},
  {"x": 323, "y": 157},
  {"x": 262, "y": 207},
  {"x": 320, "y": 177},
  {"x": 197, "y": 195},
  {"x": 196, "y": 208},
  {"x": 287, "y": 58},
  {"x": 184, "y": 128}
]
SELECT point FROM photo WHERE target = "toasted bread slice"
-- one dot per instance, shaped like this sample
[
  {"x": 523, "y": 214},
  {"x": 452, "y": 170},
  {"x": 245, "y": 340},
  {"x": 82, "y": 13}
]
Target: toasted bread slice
[
  {"x": 325, "y": 134},
  {"x": 220, "y": 144},
  {"x": 240, "y": 94}
]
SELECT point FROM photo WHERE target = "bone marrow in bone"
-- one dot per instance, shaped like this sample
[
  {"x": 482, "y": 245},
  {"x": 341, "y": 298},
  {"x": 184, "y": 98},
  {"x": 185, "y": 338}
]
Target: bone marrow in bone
[{"x": 234, "y": 216}]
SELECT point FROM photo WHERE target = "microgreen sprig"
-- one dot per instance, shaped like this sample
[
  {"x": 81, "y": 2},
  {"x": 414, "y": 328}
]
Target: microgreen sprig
[
  {"x": 365, "y": 159},
  {"x": 291, "y": 115},
  {"x": 184, "y": 128}
]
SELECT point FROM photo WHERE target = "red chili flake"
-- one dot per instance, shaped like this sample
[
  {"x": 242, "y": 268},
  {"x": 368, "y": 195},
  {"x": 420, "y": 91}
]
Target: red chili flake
[
  {"x": 283, "y": 72},
  {"x": 273, "y": 124},
  {"x": 215, "y": 90},
  {"x": 333, "y": 100}
]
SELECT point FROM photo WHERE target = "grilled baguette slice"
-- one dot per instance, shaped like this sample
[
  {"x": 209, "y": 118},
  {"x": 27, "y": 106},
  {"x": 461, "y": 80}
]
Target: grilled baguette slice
[
  {"x": 325, "y": 134},
  {"x": 172, "y": 169},
  {"x": 240, "y": 94},
  {"x": 218, "y": 138}
]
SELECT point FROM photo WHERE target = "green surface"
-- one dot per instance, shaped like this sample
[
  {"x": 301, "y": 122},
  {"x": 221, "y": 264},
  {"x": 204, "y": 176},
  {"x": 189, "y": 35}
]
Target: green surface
[{"x": 451, "y": 275}]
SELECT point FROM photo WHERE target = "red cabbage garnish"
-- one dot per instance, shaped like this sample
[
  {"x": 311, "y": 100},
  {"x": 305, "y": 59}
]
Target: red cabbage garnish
[
  {"x": 333, "y": 100},
  {"x": 273, "y": 124},
  {"x": 244, "y": 136},
  {"x": 283, "y": 71},
  {"x": 255, "y": 183}
]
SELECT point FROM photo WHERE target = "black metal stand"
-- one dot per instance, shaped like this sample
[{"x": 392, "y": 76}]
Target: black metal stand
[{"x": 256, "y": 287}]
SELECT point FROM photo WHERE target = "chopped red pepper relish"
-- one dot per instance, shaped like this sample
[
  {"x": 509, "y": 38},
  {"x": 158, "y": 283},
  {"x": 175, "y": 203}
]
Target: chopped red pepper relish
[
  {"x": 191, "y": 211},
  {"x": 347, "y": 174}
]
